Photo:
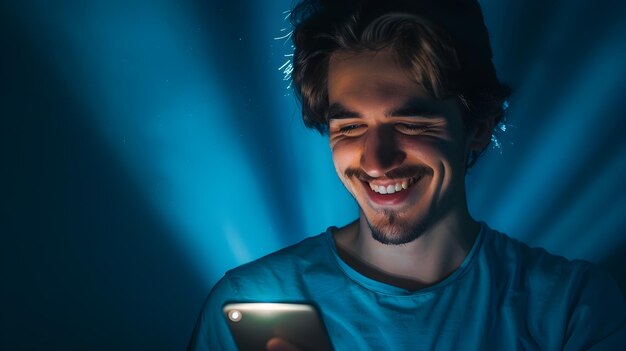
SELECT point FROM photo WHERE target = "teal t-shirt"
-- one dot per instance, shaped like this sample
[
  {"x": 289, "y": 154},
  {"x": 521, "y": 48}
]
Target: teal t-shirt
[{"x": 504, "y": 296}]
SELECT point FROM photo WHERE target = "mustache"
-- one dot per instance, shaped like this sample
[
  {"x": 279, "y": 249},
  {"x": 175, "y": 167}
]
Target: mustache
[{"x": 397, "y": 173}]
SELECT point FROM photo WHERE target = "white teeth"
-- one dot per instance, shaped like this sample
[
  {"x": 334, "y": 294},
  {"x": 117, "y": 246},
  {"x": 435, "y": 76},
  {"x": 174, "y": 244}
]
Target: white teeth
[{"x": 390, "y": 189}]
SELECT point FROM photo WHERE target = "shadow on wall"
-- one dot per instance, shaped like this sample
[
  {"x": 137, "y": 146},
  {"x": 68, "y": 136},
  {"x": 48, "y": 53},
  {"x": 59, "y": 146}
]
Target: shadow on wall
[
  {"x": 614, "y": 265},
  {"x": 85, "y": 262}
]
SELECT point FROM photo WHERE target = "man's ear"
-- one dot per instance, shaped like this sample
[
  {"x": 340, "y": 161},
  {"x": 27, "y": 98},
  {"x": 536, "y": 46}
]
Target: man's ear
[{"x": 480, "y": 135}]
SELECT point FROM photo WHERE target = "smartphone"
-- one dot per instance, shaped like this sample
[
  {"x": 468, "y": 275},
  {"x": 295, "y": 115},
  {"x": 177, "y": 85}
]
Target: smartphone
[{"x": 253, "y": 324}]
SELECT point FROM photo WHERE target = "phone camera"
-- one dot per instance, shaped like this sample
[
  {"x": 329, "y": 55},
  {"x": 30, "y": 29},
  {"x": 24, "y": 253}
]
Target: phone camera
[{"x": 234, "y": 315}]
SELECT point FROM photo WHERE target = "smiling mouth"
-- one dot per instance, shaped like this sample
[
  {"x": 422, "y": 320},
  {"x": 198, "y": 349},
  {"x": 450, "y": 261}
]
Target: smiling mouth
[
  {"x": 397, "y": 186},
  {"x": 391, "y": 192}
]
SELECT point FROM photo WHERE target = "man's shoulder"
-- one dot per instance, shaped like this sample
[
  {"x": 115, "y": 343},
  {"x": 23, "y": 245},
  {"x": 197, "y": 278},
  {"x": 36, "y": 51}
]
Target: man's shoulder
[
  {"x": 538, "y": 272},
  {"x": 284, "y": 269},
  {"x": 571, "y": 298},
  {"x": 273, "y": 277},
  {"x": 513, "y": 254},
  {"x": 289, "y": 257}
]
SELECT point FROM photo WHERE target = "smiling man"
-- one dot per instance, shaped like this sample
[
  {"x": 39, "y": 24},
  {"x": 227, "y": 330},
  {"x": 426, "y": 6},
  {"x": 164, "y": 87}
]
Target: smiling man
[
  {"x": 402, "y": 155},
  {"x": 408, "y": 95}
]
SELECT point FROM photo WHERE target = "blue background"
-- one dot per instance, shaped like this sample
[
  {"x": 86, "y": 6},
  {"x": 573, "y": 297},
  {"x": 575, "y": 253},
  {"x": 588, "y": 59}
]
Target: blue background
[{"x": 149, "y": 146}]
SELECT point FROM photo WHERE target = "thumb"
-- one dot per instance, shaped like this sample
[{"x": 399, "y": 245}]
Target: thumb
[{"x": 278, "y": 344}]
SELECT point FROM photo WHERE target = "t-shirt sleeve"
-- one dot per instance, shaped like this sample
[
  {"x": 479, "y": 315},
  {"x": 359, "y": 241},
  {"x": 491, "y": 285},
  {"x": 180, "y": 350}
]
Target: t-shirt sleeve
[
  {"x": 211, "y": 331},
  {"x": 598, "y": 315}
]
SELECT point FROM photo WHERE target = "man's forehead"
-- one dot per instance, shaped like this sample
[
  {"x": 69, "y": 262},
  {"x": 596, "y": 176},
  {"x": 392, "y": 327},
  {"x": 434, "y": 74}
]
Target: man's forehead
[
  {"x": 373, "y": 74},
  {"x": 363, "y": 61},
  {"x": 374, "y": 87}
]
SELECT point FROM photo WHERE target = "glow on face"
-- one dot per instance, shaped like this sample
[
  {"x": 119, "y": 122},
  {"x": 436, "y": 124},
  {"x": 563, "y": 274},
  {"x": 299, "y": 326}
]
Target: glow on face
[{"x": 399, "y": 152}]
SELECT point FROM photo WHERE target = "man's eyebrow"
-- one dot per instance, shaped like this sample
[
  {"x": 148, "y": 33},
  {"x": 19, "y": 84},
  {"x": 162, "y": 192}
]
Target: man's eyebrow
[{"x": 338, "y": 111}]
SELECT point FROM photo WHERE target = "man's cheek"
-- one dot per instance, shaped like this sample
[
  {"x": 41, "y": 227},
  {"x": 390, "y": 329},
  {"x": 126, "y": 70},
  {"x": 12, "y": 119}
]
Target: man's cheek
[{"x": 346, "y": 182}]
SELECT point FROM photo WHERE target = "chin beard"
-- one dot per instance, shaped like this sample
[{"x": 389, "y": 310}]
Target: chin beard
[{"x": 394, "y": 232}]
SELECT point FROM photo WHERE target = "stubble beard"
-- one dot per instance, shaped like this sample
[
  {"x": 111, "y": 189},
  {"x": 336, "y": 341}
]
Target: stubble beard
[{"x": 396, "y": 231}]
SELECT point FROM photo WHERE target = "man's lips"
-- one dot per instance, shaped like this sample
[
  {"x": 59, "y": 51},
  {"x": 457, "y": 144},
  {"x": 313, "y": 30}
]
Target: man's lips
[
  {"x": 395, "y": 186},
  {"x": 387, "y": 193},
  {"x": 391, "y": 186}
]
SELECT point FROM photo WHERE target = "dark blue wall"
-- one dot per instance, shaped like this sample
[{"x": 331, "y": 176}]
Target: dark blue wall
[{"x": 148, "y": 146}]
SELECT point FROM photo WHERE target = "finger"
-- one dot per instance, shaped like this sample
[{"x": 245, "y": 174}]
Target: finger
[{"x": 278, "y": 344}]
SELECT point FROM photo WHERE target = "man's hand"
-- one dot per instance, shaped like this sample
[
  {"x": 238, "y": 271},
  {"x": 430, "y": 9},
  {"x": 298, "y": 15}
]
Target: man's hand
[{"x": 278, "y": 344}]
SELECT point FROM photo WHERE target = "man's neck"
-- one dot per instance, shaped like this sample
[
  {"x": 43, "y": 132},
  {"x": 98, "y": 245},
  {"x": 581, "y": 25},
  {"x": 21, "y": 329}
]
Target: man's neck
[{"x": 423, "y": 262}]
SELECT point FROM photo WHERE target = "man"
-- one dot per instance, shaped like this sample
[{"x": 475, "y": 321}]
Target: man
[{"x": 408, "y": 95}]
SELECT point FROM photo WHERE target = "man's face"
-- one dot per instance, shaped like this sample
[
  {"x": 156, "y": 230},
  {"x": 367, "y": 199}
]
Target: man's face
[{"x": 400, "y": 153}]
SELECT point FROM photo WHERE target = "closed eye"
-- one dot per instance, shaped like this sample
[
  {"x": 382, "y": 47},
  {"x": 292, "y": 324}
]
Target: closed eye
[
  {"x": 411, "y": 129},
  {"x": 350, "y": 129}
]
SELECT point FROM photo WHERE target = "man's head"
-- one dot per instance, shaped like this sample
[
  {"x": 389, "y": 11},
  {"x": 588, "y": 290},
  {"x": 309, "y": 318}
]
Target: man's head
[
  {"x": 409, "y": 96},
  {"x": 443, "y": 45}
]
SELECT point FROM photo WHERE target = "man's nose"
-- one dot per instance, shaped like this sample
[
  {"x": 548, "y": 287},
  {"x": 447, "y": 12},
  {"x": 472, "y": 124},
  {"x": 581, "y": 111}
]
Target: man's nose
[{"x": 381, "y": 152}]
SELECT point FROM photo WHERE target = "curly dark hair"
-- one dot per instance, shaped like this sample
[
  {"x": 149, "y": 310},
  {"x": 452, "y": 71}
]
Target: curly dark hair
[{"x": 443, "y": 44}]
